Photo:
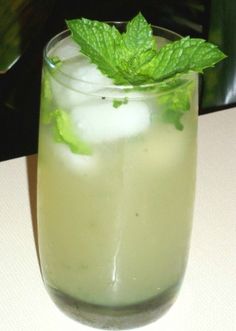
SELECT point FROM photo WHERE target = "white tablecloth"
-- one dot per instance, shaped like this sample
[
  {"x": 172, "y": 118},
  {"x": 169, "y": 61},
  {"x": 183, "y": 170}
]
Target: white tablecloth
[{"x": 207, "y": 300}]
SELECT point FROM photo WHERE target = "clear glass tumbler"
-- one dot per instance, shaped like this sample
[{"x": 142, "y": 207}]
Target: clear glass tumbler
[{"x": 116, "y": 183}]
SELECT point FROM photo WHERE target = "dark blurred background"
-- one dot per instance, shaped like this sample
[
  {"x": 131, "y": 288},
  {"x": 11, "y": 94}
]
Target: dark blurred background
[{"x": 27, "y": 25}]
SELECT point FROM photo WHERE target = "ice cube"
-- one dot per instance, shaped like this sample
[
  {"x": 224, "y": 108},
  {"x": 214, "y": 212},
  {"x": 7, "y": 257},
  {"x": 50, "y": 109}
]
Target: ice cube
[
  {"x": 89, "y": 72},
  {"x": 98, "y": 121},
  {"x": 65, "y": 97},
  {"x": 65, "y": 49},
  {"x": 82, "y": 80}
]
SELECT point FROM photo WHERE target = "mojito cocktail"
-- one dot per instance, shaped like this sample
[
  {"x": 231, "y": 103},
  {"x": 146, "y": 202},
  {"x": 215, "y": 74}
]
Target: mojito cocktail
[{"x": 116, "y": 182}]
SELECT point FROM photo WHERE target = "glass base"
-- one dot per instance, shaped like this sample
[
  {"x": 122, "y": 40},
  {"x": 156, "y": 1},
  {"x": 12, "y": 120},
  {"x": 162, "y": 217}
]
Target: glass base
[{"x": 115, "y": 318}]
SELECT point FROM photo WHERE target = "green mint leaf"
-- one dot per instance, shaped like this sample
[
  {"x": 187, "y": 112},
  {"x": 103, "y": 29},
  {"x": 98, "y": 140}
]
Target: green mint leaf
[
  {"x": 135, "y": 42},
  {"x": 182, "y": 56},
  {"x": 64, "y": 132},
  {"x": 175, "y": 102},
  {"x": 118, "y": 103},
  {"x": 138, "y": 68},
  {"x": 99, "y": 42},
  {"x": 138, "y": 36}
]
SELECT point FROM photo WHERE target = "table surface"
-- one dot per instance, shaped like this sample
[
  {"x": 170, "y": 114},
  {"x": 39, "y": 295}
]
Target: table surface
[{"x": 207, "y": 300}]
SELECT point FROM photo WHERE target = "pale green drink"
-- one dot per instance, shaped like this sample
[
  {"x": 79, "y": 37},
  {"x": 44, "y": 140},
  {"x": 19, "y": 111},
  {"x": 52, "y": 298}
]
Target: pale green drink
[{"x": 114, "y": 221}]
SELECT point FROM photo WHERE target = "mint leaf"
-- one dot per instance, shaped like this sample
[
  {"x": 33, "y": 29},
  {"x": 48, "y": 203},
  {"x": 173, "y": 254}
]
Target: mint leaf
[
  {"x": 120, "y": 102},
  {"x": 135, "y": 42},
  {"x": 138, "y": 36},
  {"x": 174, "y": 104},
  {"x": 64, "y": 132},
  {"x": 182, "y": 56},
  {"x": 99, "y": 42},
  {"x": 136, "y": 71}
]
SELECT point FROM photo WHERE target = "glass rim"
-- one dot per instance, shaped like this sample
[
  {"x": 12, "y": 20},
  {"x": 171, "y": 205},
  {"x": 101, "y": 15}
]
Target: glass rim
[{"x": 66, "y": 33}]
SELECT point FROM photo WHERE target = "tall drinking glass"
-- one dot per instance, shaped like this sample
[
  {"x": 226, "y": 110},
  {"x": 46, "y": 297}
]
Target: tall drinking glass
[{"x": 116, "y": 182}]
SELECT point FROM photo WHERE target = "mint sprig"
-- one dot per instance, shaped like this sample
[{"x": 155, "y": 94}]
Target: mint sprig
[
  {"x": 132, "y": 57},
  {"x": 112, "y": 51}
]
